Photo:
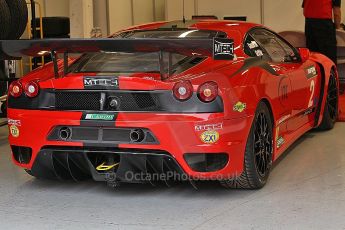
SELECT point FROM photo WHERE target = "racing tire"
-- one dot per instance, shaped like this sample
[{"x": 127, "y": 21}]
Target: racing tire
[
  {"x": 258, "y": 153},
  {"x": 19, "y": 18},
  {"x": 330, "y": 114},
  {"x": 54, "y": 27},
  {"x": 29, "y": 172},
  {"x": 4, "y": 109},
  {"x": 5, "y": 20}
]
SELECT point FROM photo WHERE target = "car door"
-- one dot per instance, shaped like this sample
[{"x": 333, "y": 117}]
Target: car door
[{"x": 297, "y": 91}]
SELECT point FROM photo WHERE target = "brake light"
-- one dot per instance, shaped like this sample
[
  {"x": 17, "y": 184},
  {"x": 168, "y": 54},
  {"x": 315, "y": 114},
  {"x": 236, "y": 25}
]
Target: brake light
[
  {"x": 15, "y": 89},
  {"x": 183, "y": 90},
  {"x": 32, "y": 89},
  {"x": 208, "y": 91}
]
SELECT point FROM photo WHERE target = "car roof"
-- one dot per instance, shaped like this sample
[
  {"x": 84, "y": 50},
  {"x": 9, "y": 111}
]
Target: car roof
[{"x": 226, "y": 26}]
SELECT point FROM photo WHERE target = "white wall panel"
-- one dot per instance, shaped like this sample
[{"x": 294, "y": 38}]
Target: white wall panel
[
  {"x": 159, "y": 10},
  {"x": 143, "y": 11},
  {"x": 284, "y": 15},
  {"x": 278, "y": 15},
  {"x": 174, "y": 9},
  {"x": 81, "y": 16},
  {"x": 100, "y": 15},
  {"x": 120, "y": 15},
  {"x": 57, "y": 8},
  {"x": 221, "y": 8}
]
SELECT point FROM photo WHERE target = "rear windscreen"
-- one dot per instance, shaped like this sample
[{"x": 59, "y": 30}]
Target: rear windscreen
[
  {"x": 179, "y": 33},
  {"x": 128, "y": 63}
]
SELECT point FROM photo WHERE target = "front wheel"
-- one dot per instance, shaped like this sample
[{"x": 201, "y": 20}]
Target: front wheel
[{"x": 258, "y": 153}]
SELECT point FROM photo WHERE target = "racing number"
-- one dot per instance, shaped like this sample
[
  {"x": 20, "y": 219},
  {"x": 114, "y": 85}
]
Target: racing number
[{"x": 312, "y": 90}]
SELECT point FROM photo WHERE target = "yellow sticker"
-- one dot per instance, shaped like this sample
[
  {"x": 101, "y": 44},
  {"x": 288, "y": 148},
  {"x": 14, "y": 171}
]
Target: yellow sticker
[
  {"x": 240, "y": 107},
  {"x": 209, "y": 137},
  {"x": 14, "y": 131}
]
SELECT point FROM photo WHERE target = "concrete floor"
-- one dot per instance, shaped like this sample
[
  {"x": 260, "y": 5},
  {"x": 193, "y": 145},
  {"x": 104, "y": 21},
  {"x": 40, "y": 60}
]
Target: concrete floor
[{"x": 306, "y": 190}]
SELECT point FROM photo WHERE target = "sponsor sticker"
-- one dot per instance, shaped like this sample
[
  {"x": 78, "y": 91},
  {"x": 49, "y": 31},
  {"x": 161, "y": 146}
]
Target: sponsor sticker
[
  {"x": 208, "y": 127},
  {"x": 104, "y": 117},
  {"x": 223, "y": 49},
  {"x": 14, "y": 131},
  {"x": 209, "y": 137},
  {"x": 101, "y": 82},
  {"x": 280, "y": 142},
  {"x": 311, "y": 72},
  {"x": 14, "y": 122},
  {"x": 253, "y": 45},
  {"x": 259, "y": 53},
  {"x": 279, "y": 139},
  {"x": 240, "y": 107}
]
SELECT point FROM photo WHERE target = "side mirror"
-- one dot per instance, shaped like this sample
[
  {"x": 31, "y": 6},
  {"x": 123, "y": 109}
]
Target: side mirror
[{"x": 304, "y": 53}]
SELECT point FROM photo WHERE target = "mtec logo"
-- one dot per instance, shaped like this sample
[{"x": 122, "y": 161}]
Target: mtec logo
[
  {"x": 101, "y": 82},
  {"x": 223, "y": 49}
]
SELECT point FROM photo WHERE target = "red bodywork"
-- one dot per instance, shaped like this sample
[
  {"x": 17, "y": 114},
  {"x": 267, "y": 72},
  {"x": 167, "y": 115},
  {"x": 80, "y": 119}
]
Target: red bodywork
[{"x": 292, "y": 98}]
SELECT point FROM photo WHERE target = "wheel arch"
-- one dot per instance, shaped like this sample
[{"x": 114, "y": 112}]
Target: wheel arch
[{"x": 269, "y": 106}]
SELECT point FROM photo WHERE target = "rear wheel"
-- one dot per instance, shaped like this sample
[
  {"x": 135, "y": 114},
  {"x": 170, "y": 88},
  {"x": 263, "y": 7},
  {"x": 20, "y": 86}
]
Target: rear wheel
[
  {"x": 330, "y": 114},
  {"x": 29, "y": 172},
  {"x": 258, "y": 153}
]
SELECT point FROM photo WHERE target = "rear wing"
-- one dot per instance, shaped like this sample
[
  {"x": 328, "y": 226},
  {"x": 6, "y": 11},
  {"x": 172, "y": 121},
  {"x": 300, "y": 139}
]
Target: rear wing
[
  {"x": 218, "y": 48},
  {"x": 15, "y": 49}
]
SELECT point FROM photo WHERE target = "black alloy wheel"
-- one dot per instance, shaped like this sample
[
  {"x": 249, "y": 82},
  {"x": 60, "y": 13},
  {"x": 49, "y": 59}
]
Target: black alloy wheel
[
  {"x": 330, "y": 114},
  {"x": 332, "y": 98},
  {"x": 263, "y": 145},
  {"x": 258, "y": 153}
]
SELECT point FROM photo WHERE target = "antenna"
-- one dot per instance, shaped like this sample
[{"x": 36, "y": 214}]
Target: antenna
[{"x": 184, "y": 18}]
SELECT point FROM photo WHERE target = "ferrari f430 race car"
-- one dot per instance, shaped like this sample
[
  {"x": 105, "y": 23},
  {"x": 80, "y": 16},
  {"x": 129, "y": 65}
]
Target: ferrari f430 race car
[{"x": 200, "y": 100}]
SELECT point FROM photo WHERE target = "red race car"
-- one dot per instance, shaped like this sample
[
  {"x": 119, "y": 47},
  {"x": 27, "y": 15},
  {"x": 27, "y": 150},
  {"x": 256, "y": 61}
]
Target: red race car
[{"x": 200, "y": 100}]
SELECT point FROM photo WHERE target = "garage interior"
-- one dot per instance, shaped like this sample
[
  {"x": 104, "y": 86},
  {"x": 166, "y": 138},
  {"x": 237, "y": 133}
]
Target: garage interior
[{"x": 305, "y": 189}]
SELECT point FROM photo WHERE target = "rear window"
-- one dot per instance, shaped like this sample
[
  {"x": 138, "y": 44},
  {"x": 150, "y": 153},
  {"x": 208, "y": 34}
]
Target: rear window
[
  {"x": 129, "y": 63},
  {"x": 177, "y": 33}
]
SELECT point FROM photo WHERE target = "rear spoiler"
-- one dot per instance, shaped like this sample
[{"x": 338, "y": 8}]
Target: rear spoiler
[{"x": 219, "y": 48}]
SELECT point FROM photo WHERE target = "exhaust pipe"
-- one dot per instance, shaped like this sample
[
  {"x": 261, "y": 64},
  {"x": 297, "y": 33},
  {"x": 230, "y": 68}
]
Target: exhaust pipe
[
  {"x": 65, "y": 133},
  {"x": 137, "y": 135}
]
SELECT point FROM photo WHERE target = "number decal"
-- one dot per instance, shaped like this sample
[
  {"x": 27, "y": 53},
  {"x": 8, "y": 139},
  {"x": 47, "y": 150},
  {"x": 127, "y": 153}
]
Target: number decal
[{"x": 312, "y": 90}]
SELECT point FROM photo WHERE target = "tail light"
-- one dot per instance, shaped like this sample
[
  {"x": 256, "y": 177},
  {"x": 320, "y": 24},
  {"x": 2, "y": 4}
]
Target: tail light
[
  {"x": 183, "y": 90},
  {"x": 32, "y": 89},
  {"x": 208, "y": 91},
  {"x": 15, "y": 89}
]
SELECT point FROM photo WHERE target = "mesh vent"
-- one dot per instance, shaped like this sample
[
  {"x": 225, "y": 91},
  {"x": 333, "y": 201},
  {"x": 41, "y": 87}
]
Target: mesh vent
[
  {"x": 77, "y": 100},
  {"x": 128, "y": 101},
  {"x": 138, "y": 102}
]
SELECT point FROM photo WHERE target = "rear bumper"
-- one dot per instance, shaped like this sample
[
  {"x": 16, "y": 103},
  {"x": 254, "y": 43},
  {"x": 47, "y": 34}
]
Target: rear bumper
[{"x": 176, "y": 135}]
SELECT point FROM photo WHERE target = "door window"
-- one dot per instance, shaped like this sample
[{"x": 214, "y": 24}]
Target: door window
[{"x": 277, "y": 49}]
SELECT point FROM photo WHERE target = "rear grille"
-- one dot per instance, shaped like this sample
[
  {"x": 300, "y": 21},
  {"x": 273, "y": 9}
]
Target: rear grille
[
  {"x": 128, "y": 101},
  {"x": 138, "y": 102},
  {"x": 77, "y": 100}
]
